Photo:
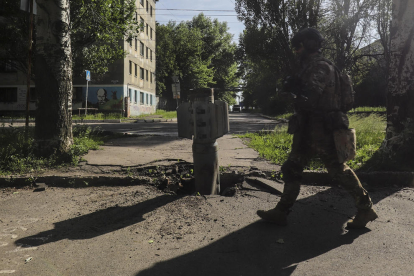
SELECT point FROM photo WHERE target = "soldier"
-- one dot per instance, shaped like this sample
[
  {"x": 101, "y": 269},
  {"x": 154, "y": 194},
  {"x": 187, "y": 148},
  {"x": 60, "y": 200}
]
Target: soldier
[{"x": 318, "y": 115}]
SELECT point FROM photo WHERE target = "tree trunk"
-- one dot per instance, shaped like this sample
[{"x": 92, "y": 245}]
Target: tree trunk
[
  {"x": 53, "y": 70},
  {"x": 400, "y": 98}
]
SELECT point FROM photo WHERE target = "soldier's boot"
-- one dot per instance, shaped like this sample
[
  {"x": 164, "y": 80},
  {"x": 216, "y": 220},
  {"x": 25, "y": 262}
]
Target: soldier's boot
[
  {"x": 362, "y": 218},
  {"x": 274, "y": 215}
]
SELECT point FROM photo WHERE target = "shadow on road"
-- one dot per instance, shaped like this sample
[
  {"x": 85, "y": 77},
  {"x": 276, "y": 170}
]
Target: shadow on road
[
  {"x": 258, "y": 250},
  {"x": 268, "y": 250},
  {"x": 98, "y": 223}
]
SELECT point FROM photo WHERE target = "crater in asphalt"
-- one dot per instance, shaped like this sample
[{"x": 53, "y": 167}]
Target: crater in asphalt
[{"x": 179, "y": 179}]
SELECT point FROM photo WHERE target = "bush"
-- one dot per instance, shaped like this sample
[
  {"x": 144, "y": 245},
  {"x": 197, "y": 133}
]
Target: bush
[{"x": 17, "y": 154}]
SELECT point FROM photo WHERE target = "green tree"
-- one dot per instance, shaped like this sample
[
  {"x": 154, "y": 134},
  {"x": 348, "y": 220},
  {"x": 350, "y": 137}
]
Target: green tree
[
  {"x": 345, "y": 24},
  {"x": 14, "y": 36},
  {"x": 201, "y": 53},
  {"x": 96, "y": 29},
  {"x": 93, "y": 29},
  {"x": 264, "y": 54}
]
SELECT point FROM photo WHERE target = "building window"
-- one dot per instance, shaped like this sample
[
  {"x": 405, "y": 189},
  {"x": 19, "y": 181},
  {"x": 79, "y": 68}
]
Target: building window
[
  {"x": 147, "y": 6},
  {"x": 142, "y": 24},
  {"x": 33, "y": 95},
  {"x": 142, "y": 2},
  {"x": 142, "y": 49},
  {"x": 136, "y": 96},
  {"x": 151, "y": 11},
  {"x": 8, "y": 94},
  {"x": 136, "y": 44},
  {"x": 146, "y": 53},
  {"x": 141, "y": 75},
  {"x": 130, "y": 67},
  {"x": 147, "y": 29},
  {"x": 150, "y": 54},
  {"x": 136, "y": 16},
  {"x": 141, "y": 97},
  {"x": 151, "y": 33},
  {"x": 77, "y": 93},
  {"x": 150, "y": 99},
  {"x": 147, "y": 98},
  {"x": 136, "y": 69},
  {"x": 130, "y": 95},
  {"x": 6, "y": 66},
  {"x": 151, "y": 77},
  {"x": 146, "y": 75}
]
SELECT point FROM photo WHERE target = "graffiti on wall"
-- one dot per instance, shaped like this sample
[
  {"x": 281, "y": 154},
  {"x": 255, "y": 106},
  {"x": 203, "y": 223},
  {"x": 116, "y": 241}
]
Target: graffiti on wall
[{"x": 104, "y": 98}]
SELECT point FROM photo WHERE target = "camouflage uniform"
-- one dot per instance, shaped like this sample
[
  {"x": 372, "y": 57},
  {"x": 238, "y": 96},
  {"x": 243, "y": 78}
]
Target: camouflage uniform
[{"x": 316, "y": 118}]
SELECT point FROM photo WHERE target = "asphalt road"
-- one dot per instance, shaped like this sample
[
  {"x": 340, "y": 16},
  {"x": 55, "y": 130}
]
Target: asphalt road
[{"x": 239, "y": 123}]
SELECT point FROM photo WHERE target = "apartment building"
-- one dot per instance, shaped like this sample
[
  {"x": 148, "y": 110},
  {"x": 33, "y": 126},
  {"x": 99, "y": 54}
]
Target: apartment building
[{"x": 128, "y": 87}]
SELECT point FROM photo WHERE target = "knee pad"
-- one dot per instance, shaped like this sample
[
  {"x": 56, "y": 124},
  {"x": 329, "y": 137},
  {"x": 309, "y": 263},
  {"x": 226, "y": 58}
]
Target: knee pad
[{"x": 291, "y": 171}]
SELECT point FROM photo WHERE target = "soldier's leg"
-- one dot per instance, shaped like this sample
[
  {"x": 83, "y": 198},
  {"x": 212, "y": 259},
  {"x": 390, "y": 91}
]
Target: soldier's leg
[
  {"x": 348, "y": 179},
  {"x": 292, "y": 174}
]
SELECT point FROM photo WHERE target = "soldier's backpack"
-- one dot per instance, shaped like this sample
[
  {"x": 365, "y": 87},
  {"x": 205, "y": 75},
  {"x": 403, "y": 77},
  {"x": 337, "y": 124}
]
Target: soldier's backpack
[{"x": 347, "y": 91}]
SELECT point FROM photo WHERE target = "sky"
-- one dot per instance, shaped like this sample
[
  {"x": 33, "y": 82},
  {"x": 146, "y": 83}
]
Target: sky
[{"x": 223, "y": 10}]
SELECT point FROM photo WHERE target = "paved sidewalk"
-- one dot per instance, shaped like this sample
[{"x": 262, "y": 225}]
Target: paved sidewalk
[{"x": 142, "y": 150}]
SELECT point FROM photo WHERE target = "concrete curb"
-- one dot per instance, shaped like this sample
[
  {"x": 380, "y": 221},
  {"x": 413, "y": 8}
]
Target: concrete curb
[
  {"x": 373, "y": 180},
  {"x": 95, "y": 121},
  {"x": 156, "y": 120},
  {"x": 71, "y": 182},
  {"x": 274, "y": 119}
]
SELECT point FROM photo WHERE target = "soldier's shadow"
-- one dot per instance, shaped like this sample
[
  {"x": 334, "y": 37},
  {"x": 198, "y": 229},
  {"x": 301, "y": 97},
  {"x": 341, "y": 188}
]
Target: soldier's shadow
[
  {"x": 258, "y": 250},
  {"x": 315, "y": 228}
]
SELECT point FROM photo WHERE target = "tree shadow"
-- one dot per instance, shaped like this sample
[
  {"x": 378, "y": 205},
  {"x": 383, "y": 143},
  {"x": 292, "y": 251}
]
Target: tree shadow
[{"x": 97, "y": 223}]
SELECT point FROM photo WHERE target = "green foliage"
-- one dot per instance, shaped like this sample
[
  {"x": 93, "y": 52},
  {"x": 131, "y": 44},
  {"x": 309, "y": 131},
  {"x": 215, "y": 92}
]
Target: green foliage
[
  {"x": 200, "y": 53},
  {"x": 395, "y": 154},
  {"x": 276, "y": 146},
  {"x": 18, "y": 154},
  {"x": 96, "y": 29},
  {"x": 265, "y": 54},
  {"x": 370, "y": 133},
  {"x": 14, "y": 35},
  {"x": 368, "y": 109}
]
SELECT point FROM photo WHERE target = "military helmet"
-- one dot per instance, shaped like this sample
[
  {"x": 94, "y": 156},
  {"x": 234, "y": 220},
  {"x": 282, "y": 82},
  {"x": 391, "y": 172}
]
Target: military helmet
[{"x": 310, "y": 38}]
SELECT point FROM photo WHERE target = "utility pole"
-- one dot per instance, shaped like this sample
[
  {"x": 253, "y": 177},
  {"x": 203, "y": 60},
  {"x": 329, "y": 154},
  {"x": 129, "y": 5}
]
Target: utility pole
[
  {"x": 29, "y": 64},
  {"x": 88, "y": 78}
]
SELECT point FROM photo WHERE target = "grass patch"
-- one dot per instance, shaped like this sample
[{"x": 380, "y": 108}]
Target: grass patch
[
  {"x": 368, "y": 109},
  {"x": 98, "y": 116},
  {"x": 276, "y": 146},
  {"x": 164, "y": 114},
  {"x": 17, "y": 154}
]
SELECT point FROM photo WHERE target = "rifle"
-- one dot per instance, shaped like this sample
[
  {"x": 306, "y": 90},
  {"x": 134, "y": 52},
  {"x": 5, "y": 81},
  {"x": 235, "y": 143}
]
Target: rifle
[{"x": 292, "y": 87}]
